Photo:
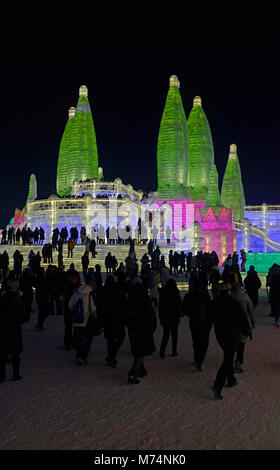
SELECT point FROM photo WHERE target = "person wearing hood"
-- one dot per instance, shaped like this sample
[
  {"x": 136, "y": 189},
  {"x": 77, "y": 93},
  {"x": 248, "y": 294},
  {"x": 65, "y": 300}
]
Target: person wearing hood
[
  {"x": 240, "y": 295},
  {"x": 82, "y": 299}
]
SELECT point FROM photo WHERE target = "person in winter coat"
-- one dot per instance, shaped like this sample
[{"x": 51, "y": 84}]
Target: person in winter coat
[
  {"x": 196, "y": 306},
  {"x": 245, "y": 302},
  {"x": 140, "y": 319},
  {"x": 110, "y": 309},
  {"x": 82, "y": 330},
  {"x": 252, "y": 285},
  {"x": 170, "y": 310},
  {"x": 230, "y": 322},
  {"x": 11, "y": 318}
]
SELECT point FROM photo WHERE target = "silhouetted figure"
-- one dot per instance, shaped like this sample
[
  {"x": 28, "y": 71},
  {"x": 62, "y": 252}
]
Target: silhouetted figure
[
  {"x": 245, "y": 302},
  {"x": 92, "y": 248},
  {"x": 4, "y": 236},
  {"x": 82, "y": 331},
  {"x": 110, "y": 309},
  {"x": 252, "y": 285},
  {"x": 42, "y": 299},
  {"x": 273, "y": 282},
  {"x": 41, "y": 235},
  {"x": 141, "y": 323},
  {"x": 18, "y": 259},
  {"x": 170, "y": 310},
  {"x": 196, "y": 306},
  {"x": 230, "y": 322},
  {"x": 85, "y": 264},
  {"x": 72, "y": 283},
  {"x": 26, "y": 287},
  {"x": 70, "y": 244},
  {"x": 11, "y": 318}
]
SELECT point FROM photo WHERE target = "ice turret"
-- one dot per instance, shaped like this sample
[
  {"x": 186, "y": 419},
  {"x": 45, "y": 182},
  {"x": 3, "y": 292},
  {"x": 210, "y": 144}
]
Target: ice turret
[
  {"x": 201, "y": 151},
  {"x": 63, "y": 188},
  {"x": 232, "y": 187},
  {"x": 213, "y": 196},
  {"x": 172, "y": 147}
]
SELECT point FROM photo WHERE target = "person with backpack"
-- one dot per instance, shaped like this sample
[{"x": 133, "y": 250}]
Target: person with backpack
[{"x": 82, "y": 306}]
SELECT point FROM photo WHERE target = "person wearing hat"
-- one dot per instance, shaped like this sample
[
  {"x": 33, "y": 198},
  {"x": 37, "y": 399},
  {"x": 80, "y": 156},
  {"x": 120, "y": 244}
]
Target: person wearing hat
[
  {"x": 230, "y": 322},
  {"x": 11, "y": 318}
]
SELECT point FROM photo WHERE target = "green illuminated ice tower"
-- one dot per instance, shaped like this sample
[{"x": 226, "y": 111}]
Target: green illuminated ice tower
[
  {"x": 172, "y": 147},
  {"x": 62, "y": 187},
  {"x": 83, "y": 155},
  {"x": 213, "y": 197},
  {"x": 232, "y": 187},
  {"x": 78, "y": 156},
  {"x": 201, "y": 152}
]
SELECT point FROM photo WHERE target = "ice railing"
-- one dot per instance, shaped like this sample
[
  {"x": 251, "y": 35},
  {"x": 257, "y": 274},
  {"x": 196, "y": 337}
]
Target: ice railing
[
  {"x": 258, "y": 232},
  {"x": 113, "y": 188}
]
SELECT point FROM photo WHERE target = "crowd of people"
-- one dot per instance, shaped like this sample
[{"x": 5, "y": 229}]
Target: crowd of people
[
  {"x": 132, "y": 299},
  {"x": 99, "y": 234}
]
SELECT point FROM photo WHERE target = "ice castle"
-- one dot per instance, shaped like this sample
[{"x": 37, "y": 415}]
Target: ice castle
[{"x": 187, "y": 194}]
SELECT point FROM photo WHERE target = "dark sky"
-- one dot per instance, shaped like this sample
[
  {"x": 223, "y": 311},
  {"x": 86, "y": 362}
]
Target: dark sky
[{"x": 229, "y": 59}]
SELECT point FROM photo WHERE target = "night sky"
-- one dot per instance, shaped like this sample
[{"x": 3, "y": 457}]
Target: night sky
[{"x": 230, "y": 60}]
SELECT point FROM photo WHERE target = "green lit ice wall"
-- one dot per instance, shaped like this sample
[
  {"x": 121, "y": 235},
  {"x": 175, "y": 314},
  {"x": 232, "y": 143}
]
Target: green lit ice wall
[
  {"x": 232, "y": 187},
  {"x": 62, "y": 187},
  {"x": 213, "y": 196},
  {"x": 201, "y": 151},
  {"x": 172, "y": 147}
]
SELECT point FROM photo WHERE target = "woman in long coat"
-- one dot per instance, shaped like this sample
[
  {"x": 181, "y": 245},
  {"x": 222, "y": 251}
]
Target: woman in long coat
[
  {"x": 141, "y": 323},
  {"x": 170, "y": 310}
]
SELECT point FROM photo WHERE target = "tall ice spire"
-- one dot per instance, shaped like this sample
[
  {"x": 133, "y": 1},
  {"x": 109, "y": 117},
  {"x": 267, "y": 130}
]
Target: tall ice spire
[
  {"x": 213, "y": 196},
  {"x": 62, "y": 186},
  {"x": 232, "y": 187},
  {"x": 32, "y": 190},
  {"x": 201, "y": 151},
  {"x": 172, "y": 147},
  {"x": 83, "y": 155}
]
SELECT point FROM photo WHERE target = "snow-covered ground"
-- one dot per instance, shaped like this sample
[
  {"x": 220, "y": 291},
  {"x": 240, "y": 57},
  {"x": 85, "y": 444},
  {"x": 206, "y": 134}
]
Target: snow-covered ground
[{"x": 60, "y": 405}]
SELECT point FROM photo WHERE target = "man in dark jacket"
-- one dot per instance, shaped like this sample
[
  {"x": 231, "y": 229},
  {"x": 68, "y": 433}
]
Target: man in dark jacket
[{"x": 230, "y": 322}]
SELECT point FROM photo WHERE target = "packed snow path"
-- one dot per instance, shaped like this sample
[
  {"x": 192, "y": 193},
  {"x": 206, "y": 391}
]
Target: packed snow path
[{"x": 60, "y": 405}]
